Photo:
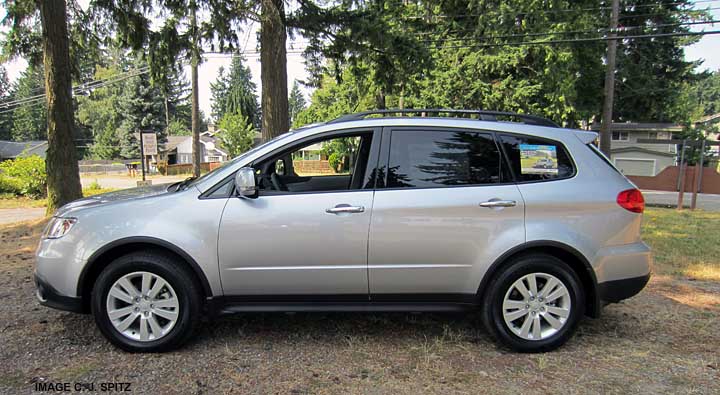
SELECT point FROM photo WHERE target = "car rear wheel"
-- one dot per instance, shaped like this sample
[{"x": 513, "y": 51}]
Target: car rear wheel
[
  {"x": 146, "y": 302},
  {"x": 534, "y": 303}
]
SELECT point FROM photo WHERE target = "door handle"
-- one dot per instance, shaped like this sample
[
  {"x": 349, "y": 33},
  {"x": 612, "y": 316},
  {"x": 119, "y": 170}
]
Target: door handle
[
  {"x": 345, "y": 208},
  {"x": 492, "y": 203}
]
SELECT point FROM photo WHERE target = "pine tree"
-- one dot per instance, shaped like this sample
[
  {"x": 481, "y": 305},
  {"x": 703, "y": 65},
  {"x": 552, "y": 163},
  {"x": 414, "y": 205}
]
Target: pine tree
[
  {"x": 234, "y": 93},
  {"x": 29, "y": 121},
  {"x": 143, "y": 108},
  {"x": 5, "y": 114},
  {"x": 296, "y": 102}
]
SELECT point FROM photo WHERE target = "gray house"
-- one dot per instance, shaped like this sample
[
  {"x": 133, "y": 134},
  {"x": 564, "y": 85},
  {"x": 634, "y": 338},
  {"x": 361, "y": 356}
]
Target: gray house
[
  {"x": 635, "y": 159},
  {"x": 15, "y": 149}
]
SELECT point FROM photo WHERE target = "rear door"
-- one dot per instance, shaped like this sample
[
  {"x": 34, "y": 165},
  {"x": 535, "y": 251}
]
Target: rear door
[{"x": 445, "y": 207}]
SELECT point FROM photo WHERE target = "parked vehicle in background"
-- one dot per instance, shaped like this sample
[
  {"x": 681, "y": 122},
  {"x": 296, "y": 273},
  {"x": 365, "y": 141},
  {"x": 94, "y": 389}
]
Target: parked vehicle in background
[{"x": 417, "y": 214}]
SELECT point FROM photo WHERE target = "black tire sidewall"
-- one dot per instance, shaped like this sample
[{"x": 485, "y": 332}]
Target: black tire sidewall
[
  {"x": 519, "y": 267},
  {"x": 165, "y": 267}
]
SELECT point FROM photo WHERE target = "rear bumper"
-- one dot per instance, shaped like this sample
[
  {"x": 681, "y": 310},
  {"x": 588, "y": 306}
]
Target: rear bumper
[
  {"x": 617, "y": 290},
  {"x": 50, "y": 297}
]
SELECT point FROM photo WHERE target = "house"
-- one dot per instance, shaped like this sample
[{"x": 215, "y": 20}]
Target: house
[
  {"x": 178, "y": 149},
  {"x": 635, "y": 159},
  {"x": 15, "y": 149}
]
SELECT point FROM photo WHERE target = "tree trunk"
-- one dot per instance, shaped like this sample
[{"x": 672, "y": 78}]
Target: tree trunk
[
  {"x": 195, "y": 110},
  {"x": 606, "y": 122},
  {"x": 273, "y": 69},
  {"x": 63, "y": 176},
  {"x": 380, "y": 99}
]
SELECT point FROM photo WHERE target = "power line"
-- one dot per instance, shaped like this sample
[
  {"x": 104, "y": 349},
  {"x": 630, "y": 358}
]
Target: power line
[
  {"x": 581, "y": 40},
  {"x": 595, "y": 31}
]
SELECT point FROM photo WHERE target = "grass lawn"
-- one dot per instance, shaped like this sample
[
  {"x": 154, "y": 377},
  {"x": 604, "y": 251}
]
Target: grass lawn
[{"x": 684, "y": 242}]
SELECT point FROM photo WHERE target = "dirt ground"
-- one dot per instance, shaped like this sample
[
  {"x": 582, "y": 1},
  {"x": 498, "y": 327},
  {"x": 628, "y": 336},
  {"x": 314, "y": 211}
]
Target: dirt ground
[{"x": 665, "y": 340}]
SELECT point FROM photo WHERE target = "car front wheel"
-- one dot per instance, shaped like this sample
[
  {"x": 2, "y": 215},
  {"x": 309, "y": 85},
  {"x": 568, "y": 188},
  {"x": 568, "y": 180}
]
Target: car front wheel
[
  {"x": 146, "y": 302},
  {"x": 534, "y": 304}
]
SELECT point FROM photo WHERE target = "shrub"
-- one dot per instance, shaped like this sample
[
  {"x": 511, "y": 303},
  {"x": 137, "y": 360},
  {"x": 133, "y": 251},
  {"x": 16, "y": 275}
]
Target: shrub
[
  {"x": 95, "y": 185},
  {"x": 24, "y": 176}
]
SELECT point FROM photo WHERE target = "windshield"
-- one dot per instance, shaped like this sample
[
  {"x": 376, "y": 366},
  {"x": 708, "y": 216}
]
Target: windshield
[{"x": 241, "y": 157}]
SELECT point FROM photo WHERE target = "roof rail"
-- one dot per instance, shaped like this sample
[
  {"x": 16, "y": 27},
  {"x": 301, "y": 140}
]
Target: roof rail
[{"x": 483, "y": 115}]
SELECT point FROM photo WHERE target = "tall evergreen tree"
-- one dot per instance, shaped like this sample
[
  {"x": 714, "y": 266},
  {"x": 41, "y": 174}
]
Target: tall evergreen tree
[
  {"x": 143, "y": 108},
  {"x": 29, "y": 121},
  {"x": 651, "y": 73},
  {"x": 5, "y": 114},
  {"x": 296, "y": 102},
  {"x": 235, "y": 93}
]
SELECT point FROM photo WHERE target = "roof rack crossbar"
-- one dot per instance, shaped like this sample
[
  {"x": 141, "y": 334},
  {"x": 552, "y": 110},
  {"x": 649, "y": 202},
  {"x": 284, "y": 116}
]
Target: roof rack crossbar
[{"x": 483, "y": 115}]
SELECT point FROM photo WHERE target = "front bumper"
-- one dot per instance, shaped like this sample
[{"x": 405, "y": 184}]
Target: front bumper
[{"x": 50, "y": 297}]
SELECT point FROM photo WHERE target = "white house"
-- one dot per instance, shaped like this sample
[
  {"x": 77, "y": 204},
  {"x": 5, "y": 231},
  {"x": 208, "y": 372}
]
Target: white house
[{"x": 178, "y": 149}]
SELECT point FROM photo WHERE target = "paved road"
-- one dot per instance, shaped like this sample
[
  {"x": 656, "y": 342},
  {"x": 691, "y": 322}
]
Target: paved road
[
  {"x": 705, "y": 201},
  {"x": 10, "y": 215},
  {"x": 122, "y": 182}
]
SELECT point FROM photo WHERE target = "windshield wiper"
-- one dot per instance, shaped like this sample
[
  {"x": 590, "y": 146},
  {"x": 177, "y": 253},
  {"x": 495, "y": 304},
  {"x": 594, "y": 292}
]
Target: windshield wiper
[{"x": 180, "y": 185}]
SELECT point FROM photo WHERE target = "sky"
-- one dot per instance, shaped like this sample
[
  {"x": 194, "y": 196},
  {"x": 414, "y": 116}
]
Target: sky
[{"x": 707, "y": 50}]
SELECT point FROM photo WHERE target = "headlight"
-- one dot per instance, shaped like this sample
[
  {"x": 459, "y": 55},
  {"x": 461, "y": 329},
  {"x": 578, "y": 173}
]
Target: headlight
[{"x": 58, "y": 227}]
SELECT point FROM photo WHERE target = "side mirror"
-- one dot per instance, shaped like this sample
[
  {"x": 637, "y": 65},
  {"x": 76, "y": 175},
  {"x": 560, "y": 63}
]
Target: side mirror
[{"x": 245, "y": 183}]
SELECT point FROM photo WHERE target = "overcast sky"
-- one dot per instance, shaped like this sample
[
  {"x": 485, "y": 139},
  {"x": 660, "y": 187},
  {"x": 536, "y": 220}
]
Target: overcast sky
[{"x": 707, "y": 49}]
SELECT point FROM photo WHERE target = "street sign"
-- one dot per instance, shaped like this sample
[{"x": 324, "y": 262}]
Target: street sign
[{"x": 149, "y": 142}]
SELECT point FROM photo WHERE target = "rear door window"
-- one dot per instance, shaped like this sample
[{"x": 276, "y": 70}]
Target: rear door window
[
  {"x": 437, "y": 158},
  {"x": 536, "y": 159}
]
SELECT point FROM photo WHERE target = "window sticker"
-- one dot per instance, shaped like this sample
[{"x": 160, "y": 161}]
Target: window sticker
[{"x": 538, "y": 159}]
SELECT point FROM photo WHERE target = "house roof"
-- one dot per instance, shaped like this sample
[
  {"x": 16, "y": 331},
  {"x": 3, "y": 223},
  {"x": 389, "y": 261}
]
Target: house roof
[
  {"x": 174, "y": 141},
  {"x": 13, "y": 149},
  {"x": 643, "y": 150},
  {"x": 643, "y": 127},
  {"x": 709, "y": 118}
]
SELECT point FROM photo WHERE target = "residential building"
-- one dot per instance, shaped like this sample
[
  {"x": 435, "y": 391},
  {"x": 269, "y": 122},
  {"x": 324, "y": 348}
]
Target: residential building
[
  {"x": 178, "y": 149},
  {"x": 15, "y": 149},
  {"x": 638, "y": 159}
]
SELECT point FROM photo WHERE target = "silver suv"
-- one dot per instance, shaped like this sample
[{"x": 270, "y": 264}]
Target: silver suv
[{"x": 364, "y": 213}]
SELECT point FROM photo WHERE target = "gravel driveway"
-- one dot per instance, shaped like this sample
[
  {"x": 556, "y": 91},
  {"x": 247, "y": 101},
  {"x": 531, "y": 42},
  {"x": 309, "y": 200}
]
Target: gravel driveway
[{"x": 662, "y": 341}]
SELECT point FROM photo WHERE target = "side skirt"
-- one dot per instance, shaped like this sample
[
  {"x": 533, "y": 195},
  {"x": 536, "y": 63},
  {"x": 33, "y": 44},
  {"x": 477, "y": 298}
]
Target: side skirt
[{"x": 435, "y": 303}]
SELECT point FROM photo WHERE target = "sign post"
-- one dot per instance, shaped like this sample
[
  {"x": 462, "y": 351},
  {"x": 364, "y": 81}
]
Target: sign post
[{"x": 148, "y": 146}]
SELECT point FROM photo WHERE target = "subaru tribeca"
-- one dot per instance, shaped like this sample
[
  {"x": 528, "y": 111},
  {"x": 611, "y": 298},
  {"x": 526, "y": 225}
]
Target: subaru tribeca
[{"x": 377, "y": 211}]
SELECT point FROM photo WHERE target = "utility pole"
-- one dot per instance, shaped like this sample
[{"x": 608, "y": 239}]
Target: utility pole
[
  {"x": 195, "y": 102},
  {"x": 605, "y": 126}
]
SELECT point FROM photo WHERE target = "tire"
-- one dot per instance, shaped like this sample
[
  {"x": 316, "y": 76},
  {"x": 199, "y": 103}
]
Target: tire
[
  {"x": 505, "y": 309},
  {"x": 178, "y": 297}
]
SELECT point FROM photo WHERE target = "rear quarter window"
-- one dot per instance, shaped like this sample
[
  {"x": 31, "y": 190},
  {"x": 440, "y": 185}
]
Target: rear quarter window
[{"x": 536, "y": 159}]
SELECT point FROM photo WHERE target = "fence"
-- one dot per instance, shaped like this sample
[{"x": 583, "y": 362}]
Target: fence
[
  {"x": 186, "y": 168},
  {"x": 312, "y": 167},
  {"x": 104, "y": 166},
  {"x": 667, "y": 180}
]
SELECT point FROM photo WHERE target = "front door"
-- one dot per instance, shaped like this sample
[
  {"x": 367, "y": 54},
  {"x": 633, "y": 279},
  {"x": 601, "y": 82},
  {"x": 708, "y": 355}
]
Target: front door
[
  {"x": 307, "y": 231},
  {"x": 443, "y": 213}
]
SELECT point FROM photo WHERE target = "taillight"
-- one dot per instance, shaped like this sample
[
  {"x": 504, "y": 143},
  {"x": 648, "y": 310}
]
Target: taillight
[{"x": 631, "y": 200}]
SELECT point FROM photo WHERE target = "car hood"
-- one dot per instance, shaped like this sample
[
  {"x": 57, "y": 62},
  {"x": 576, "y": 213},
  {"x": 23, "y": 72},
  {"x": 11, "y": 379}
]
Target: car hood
[{"x": 115, "y": 196}]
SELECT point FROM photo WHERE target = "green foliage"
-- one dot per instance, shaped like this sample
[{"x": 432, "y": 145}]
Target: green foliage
[
  {"x": 142, "y": 107},
  {"x": 234, "y": 93},
  {"x": 24, "y": 176},
  {"x": 296, "y": 102},
  {"x": 95, "y": 185},
  {"x": 236, "y": 134},
  {"x": 651, "y": 73},
  {"x": 29, "y": 122},
  {"x": 5, "y": 116},
  {"x": 338, "y": 151},
  {"x": 178, "y": 128}
]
